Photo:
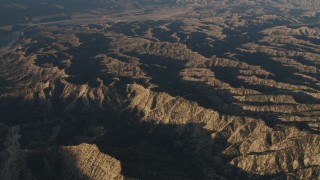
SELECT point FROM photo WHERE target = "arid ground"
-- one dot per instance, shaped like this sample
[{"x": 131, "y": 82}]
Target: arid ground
[{"x": 152, "y": 89}]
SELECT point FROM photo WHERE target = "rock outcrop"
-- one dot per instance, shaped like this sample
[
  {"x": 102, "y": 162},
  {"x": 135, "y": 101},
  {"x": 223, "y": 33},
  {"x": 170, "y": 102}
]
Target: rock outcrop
[{"x": 221, "y": 92}]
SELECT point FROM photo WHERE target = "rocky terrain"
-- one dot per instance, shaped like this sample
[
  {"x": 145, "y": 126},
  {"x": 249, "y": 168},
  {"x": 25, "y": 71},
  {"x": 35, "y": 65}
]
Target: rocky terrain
[{"x": 215, "y": 90}]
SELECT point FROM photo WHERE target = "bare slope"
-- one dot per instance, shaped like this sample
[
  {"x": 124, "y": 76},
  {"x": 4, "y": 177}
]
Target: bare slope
[{"x": 227, "y": 92}]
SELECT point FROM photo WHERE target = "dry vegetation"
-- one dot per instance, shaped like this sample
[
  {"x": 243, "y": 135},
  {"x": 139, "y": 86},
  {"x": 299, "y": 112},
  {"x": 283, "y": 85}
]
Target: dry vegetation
[{"x": 223, "y": 92}]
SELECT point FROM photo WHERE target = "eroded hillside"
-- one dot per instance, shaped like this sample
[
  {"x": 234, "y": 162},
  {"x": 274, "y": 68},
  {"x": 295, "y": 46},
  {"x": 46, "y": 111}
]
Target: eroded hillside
[{"x": 221, "y": 92}]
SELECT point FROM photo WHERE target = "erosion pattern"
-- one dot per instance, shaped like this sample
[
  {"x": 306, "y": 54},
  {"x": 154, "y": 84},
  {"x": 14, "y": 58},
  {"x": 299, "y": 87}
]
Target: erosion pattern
[{"x": 227, "y": 91}]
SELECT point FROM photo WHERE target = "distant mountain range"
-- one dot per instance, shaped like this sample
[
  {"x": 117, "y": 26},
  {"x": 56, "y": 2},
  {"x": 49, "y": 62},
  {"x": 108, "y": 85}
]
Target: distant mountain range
[
  {"x": 21, "y": 11},
  {"x": 126, "y": 3}
]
